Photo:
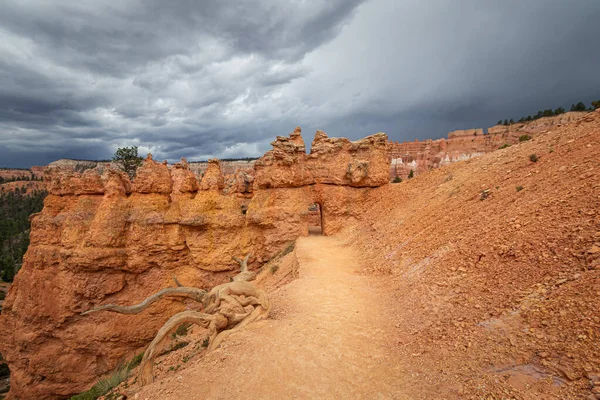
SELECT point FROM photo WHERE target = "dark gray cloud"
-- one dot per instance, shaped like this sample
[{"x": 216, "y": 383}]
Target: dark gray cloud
[{"x": 214, "y": 78}]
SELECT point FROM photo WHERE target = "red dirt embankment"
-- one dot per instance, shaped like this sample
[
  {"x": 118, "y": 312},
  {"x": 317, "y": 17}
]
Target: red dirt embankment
[{"x": 495, "y": 264}]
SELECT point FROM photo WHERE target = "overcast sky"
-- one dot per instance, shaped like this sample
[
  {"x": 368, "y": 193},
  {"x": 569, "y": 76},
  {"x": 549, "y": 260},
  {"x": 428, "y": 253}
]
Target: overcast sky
[{"x": 194, "y": 79}]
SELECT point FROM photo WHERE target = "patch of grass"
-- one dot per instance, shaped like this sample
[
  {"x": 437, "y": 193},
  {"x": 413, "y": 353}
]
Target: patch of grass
[
  {"x": 519, "y": 188},
  {"x": 533, "y": 158},
  {"x": 186, "y": 359},
  {"x": 504, "y": 146},
  {"x": 105, "y": 385},
  {"x": 524, "y": 138},
  {"x": 135, "y": 361}
]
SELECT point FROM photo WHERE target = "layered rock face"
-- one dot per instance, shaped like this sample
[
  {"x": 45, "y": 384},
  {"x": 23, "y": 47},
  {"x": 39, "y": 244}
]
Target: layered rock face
[
  {"x": 16, "y": 174},
  {"x": 332, "y": 161},
  {"x": 421, "y": 156},
  {"x": 103, "y": 239},
  {"x": 228, "y": 167}
]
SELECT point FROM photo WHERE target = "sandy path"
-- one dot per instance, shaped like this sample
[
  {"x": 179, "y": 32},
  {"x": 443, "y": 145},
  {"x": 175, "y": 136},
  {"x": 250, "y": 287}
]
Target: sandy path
[{"x": 327, "y": 341}]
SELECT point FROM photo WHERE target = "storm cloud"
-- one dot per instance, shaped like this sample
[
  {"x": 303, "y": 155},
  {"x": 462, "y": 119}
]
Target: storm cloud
[{"x": 222, "y": 78}]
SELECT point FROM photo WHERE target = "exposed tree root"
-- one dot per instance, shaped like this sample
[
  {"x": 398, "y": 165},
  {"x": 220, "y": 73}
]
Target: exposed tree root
[
  {"x": 185, "y": 292},
  {"x": 227, "y": 308},
  {"x": 211, "y": 322},
  {"x": 244, "y": 274}
]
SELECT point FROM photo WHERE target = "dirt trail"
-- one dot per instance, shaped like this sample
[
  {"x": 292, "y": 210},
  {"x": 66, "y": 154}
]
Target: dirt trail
[{"x": 328, "y": 339}]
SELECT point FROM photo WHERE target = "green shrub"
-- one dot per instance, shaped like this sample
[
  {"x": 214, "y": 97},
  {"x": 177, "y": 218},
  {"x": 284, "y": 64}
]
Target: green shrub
[
  {"x": 524, "y": 138},
  {"x": 504, "y": 146},
  {"x": 397, "y": 179},
  {"x": 182, "y": 330},
  {"x": 533, "y": 158},
  {"x": 519, "y": 188},
  {"x": 4, "y": 371},
  {"x": 177, "y": 346},
  {"x": 411, "y": 174},
  {"x": 128, "y": 160}
]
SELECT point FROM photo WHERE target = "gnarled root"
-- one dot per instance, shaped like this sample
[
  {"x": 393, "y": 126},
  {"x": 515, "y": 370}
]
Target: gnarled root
[
  {"x": 213, "y": 323},
  {"x": 212, "y": 300},
  {"x": 244, "y": 274},
  {"x": 185, "y": 292},
  {"x": 228, "y": 307}
]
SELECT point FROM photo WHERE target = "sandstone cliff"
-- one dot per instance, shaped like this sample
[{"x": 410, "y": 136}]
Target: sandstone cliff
[{"x": 101, "y": 238}]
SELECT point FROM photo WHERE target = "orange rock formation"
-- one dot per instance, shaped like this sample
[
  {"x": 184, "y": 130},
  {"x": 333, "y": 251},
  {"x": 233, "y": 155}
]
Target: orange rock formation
[{"x": 101, "y": 238}]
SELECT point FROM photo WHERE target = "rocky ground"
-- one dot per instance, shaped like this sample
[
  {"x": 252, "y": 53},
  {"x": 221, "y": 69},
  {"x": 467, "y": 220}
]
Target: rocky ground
[
  {"x": 495, "y": 266},
  {"x": 329, "y": 337}
]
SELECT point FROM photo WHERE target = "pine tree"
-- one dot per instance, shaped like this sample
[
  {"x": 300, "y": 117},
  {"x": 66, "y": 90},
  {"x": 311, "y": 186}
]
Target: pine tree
[{"x": 128, "y": 159}]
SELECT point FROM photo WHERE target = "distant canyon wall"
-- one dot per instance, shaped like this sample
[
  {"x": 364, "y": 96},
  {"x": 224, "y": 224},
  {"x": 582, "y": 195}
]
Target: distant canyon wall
[
  {"x": 34, "y": 172},
  {"x": 421, "y": 156}
]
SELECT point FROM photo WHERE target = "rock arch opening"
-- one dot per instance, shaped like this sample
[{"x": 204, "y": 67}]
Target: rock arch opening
[{"x": 315, "y": 219}]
